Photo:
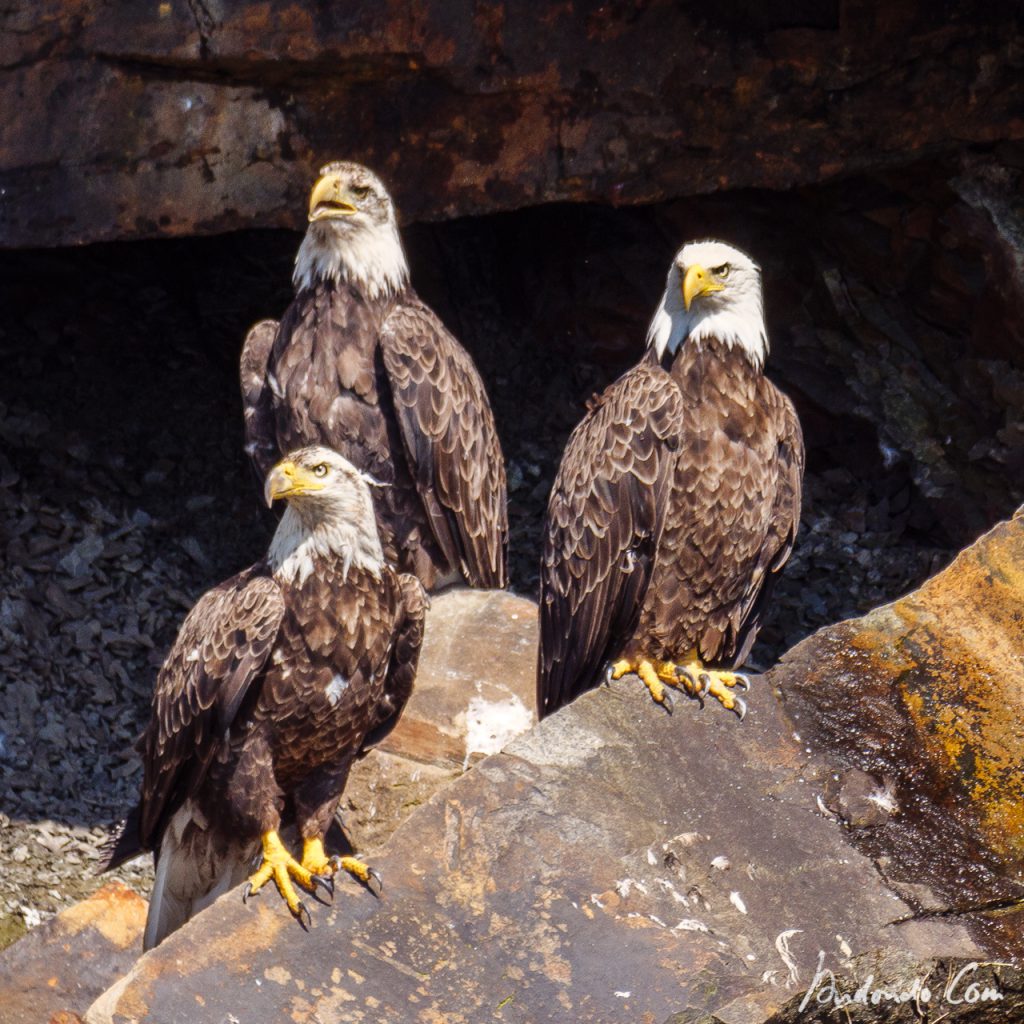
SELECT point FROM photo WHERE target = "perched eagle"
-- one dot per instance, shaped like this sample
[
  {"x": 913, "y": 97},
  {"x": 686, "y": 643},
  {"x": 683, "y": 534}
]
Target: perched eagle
[
  {"x": 677, "y": 501},
  {"x": 360, "y": 364},
  {"x": 279, "y": 678}
]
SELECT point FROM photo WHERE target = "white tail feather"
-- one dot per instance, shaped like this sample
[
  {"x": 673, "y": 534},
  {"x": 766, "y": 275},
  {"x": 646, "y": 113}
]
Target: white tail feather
[{"x": 190, "y": 874}]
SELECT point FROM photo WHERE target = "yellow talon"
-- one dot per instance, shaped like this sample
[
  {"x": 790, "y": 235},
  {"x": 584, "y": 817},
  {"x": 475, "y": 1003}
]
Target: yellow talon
[
  {"x": 621, "y": 668},
  {"x": 318, "y": 863},
  {"x": 314, "y": 860},
  {"x": 280, "y": 865},
  {"x": 648, "y": 673},
  {"x": 690, "y": 675},
  {"x": 356, "y": 868}
]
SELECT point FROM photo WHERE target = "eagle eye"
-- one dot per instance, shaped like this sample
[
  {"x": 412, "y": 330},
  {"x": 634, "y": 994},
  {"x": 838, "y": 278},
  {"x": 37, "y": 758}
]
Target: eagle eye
[
  {"x": 320, "y": 469},
  {"x": 722, "y": 271},
  {"x": 360, "y": 191}
]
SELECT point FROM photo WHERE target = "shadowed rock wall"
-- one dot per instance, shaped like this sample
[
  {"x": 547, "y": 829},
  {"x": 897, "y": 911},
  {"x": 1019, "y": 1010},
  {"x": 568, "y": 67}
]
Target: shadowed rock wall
[{"x": 194, "y": 117}]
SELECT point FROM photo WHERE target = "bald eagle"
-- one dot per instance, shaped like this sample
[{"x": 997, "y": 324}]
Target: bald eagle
[
  {"x": 677, "y": 501},
  {"x": 359, "y": 363},
  {"x": 279, "y": 678}
]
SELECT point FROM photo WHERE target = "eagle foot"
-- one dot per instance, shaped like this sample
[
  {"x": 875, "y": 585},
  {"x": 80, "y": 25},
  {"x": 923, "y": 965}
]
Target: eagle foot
[
  {"x": 279, "y": 865},
  {"x": 691, "y": 676},
  {"x": 650, "y": 676},
  {"x": 700, "y": 682}
]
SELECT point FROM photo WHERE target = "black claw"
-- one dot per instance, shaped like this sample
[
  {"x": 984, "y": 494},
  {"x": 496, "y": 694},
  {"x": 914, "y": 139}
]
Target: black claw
[
  {"x": 326, "y": 883},
  {"x": 666, "y": 703},
  {"x": 694, "y": 687},
  {"x": 607, "y": 677},
  {"x": 302, "y": 916},
  {"x": 742, "y": 681},
  {"x": 705, "y": 683},
  {"x": 247, "y": 892},
  {"x": 740, "y": 707},
  {"x": 374, "y": 882}
]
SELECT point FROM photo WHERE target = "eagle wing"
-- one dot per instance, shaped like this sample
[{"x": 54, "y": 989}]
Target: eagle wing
[
  {"x": 257, "y": 398},
  {"x": 221, "y": 648},
  {"x": 783, "y": 523},
  {"x": 405, "y": 656},
  {"x": 601, "y": 531},
  {"x": 450, "y": 442}
]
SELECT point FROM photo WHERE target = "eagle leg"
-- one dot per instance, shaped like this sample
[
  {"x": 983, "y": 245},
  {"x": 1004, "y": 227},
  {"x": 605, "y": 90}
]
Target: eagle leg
[
  {"x": 279, "y": 865},
  {"x": 323, "y": 868}
]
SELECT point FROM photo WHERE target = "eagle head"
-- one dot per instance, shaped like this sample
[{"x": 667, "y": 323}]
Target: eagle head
[
  {"x": 352, "y": 233},
  {"x": 330, "y": 513},
  {"x": 713, "y": 291}
]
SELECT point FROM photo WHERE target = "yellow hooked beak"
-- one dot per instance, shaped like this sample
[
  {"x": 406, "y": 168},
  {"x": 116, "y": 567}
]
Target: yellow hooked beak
[
  {"x": 698, "y": 282},
  {"x": 286, "y": 480},
  {"x": 329, "y": 198}
]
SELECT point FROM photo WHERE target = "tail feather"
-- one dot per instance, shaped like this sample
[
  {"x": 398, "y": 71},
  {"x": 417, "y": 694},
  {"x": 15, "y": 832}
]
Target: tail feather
[
  {"x": 194, "y": 867},
  {"x": 122, "y": 844}
]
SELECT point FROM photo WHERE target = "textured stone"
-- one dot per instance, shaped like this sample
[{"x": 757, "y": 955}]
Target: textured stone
[
  {"x": 575, "y": 876},
  {"x": 900, "y": 989},
  {"x": 924, "y": 695},
  {"x": 60, "y": 967},
  {"x": 474, "y": 693},
  {"x": 475, "y": 688},
  {"x": 191, "y": 117},
  {"x": 896, "y": 988}
]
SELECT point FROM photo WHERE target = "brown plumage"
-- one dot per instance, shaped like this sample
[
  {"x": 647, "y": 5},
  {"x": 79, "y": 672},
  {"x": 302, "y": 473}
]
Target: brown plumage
[
  {"x": 677, "y": 500},
  {"x": 360, "y": 364},
  {"x": 279, "y": 678}
]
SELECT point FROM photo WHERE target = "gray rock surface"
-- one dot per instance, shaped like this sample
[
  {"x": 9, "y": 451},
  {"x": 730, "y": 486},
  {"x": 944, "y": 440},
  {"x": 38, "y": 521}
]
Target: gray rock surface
[
  {"x": 471, "y": 698},
  {"x": 613, "y": 864}
]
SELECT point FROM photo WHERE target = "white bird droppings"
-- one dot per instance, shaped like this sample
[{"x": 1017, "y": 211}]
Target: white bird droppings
[
  {"x": 690, "y": 924},
  {"x": 492, "y": 725}
]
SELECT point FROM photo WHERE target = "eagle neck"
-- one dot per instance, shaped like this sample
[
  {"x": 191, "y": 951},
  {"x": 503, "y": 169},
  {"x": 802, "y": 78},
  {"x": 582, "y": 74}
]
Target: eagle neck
[
  {"x": 701, "y": 367},
  {"x": 298, "y": 546},
  {"x": 369, "y": 258},
  {"x": 740, "y": 325}
]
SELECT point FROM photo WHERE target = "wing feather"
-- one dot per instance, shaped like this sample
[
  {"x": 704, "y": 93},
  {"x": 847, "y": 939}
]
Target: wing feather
[
  {"x": 405, "y": 656},
  {"x": 783, "y": 524},
  {"x": 601, "y": 531},
  {"x": 220, "y": 650},
  {"x": 257, "y": 397},
  {"x": 450, "y": 442}
]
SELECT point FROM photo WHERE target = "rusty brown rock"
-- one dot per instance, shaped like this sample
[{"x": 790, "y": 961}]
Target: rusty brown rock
[
  {"x": 59, "y": 968},
  {"x": 180, "y": 118},
  {"x": 924, "y": 696},
  {"x": 612, "y": 864}
]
